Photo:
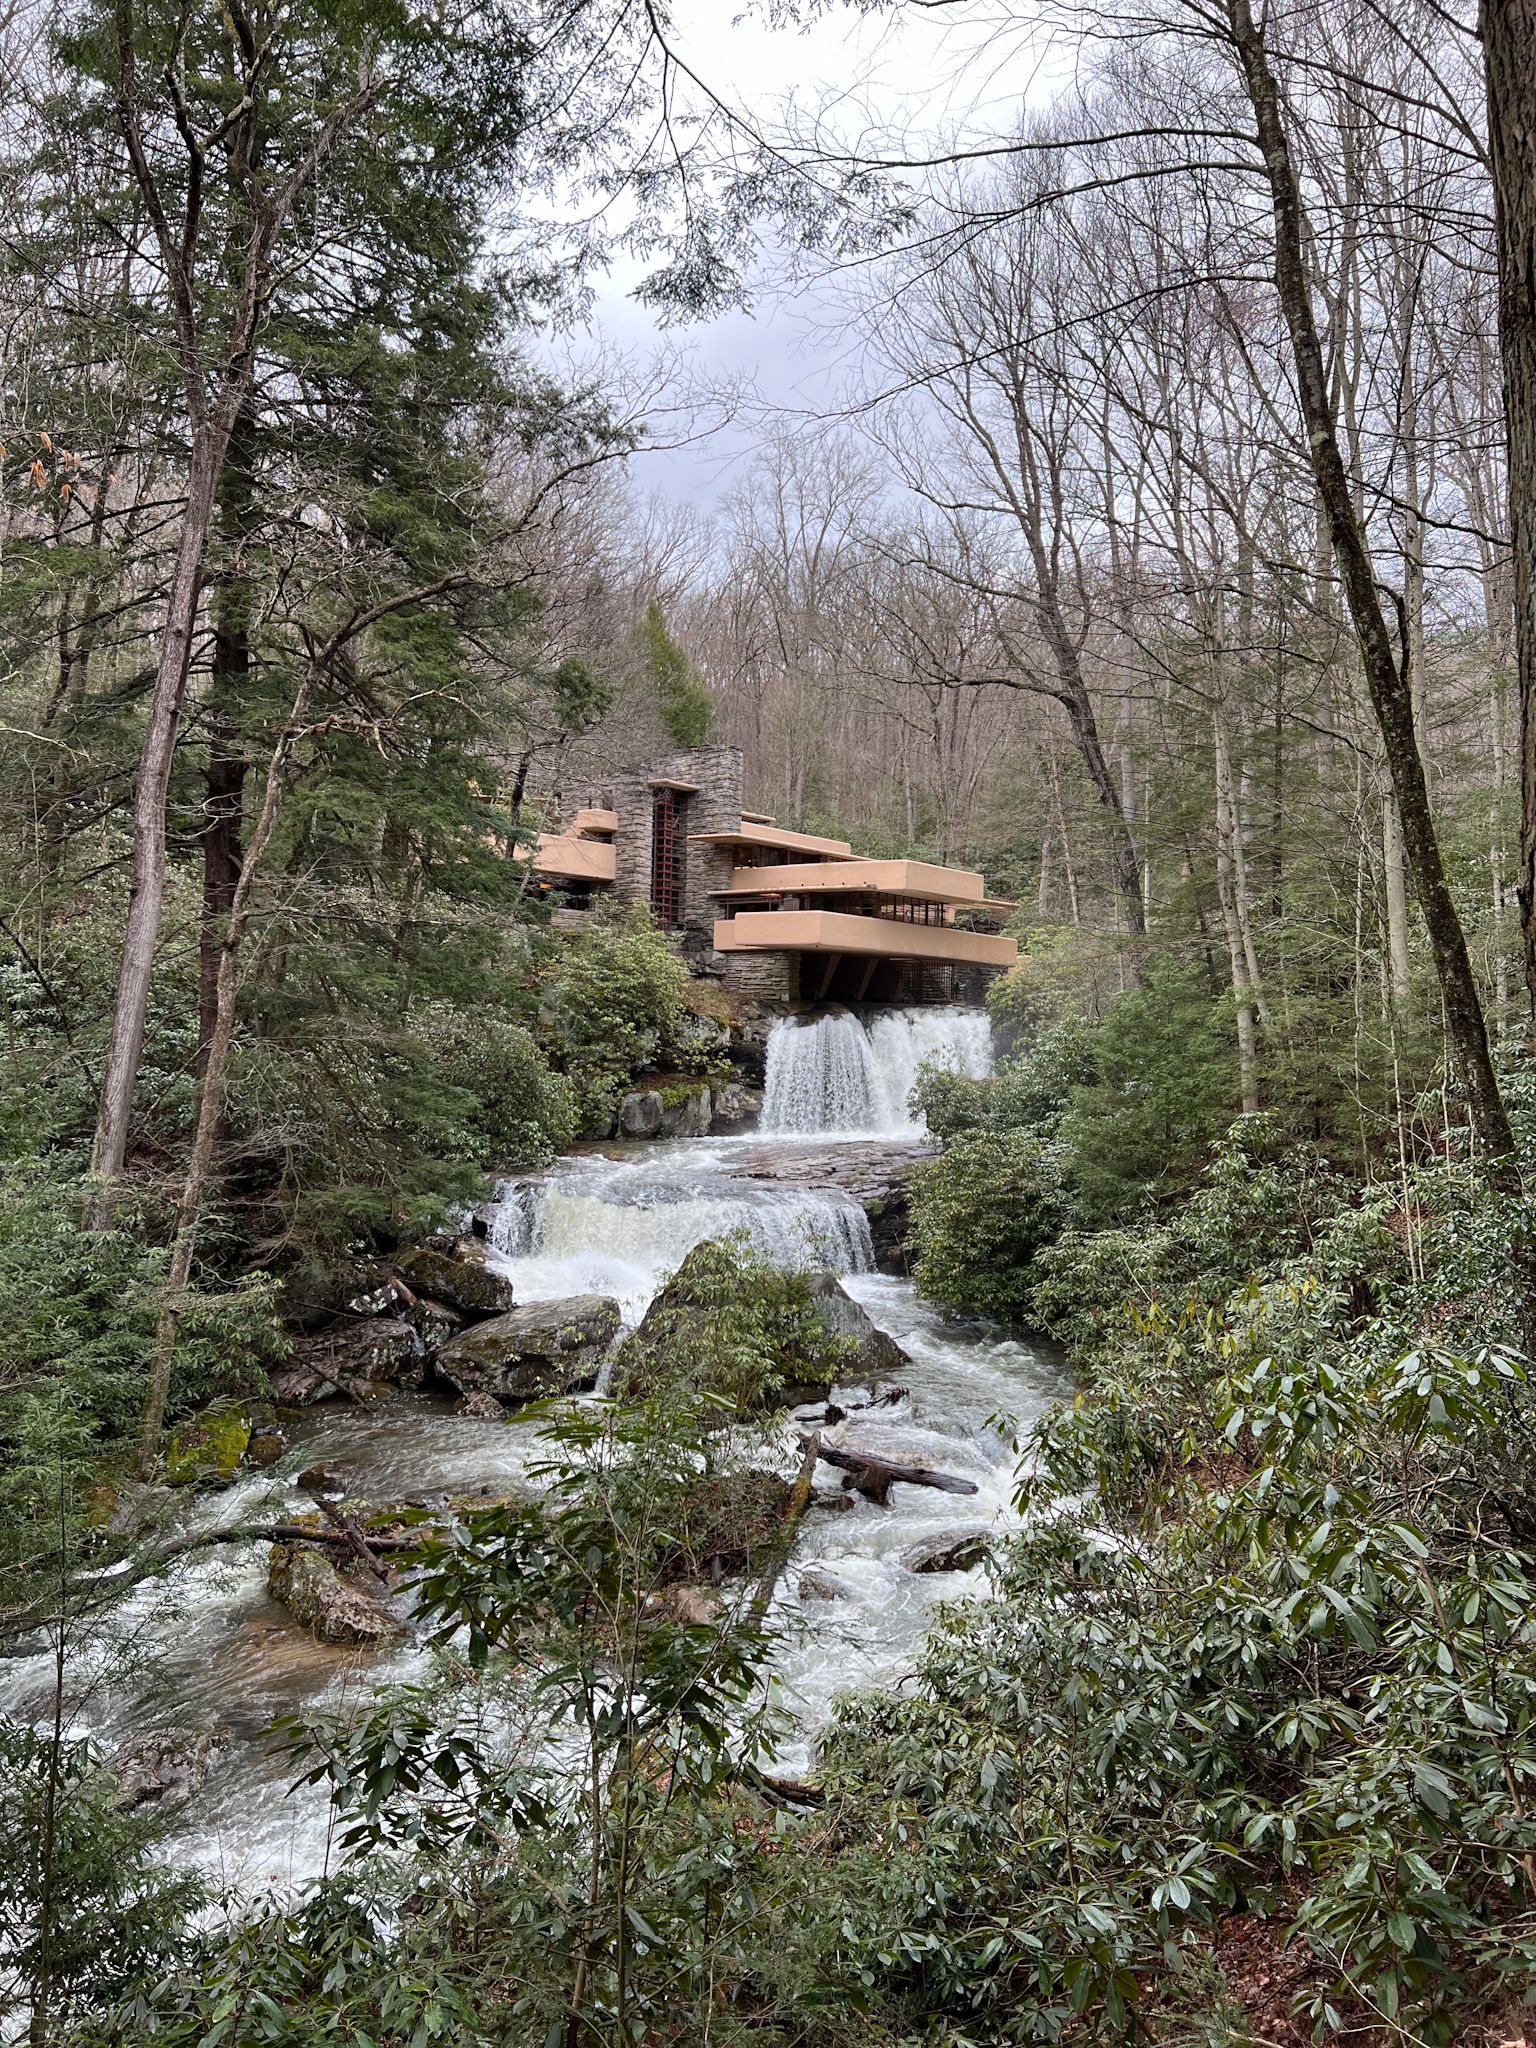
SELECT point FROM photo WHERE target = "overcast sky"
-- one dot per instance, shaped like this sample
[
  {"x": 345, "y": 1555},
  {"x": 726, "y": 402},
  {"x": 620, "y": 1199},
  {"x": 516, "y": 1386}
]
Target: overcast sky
[{"x": 915, "y": 75}]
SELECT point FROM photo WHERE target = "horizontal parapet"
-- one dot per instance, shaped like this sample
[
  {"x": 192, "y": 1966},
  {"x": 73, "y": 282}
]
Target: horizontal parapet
[
  {"x": 839, "y": 931},
  {"x": 919, "y": 881},
  {"x": 774, "y": 839},
  {"x": 567, "y": 858}
]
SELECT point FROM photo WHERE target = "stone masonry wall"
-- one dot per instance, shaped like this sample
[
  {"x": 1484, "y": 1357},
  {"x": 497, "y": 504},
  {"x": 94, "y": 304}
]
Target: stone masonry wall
[
  {"x": 766, "y": 977},
  {"x": 716, "y": 807}
]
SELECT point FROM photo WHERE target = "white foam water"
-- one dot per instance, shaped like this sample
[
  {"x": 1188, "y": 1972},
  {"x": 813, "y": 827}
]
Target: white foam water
[
  {"x": 852, "y": 1074},
  {"x": 618, "y": 1226}
]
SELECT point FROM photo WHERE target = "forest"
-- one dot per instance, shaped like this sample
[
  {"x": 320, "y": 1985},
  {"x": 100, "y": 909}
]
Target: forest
[{"x": 551, "y": 1500}]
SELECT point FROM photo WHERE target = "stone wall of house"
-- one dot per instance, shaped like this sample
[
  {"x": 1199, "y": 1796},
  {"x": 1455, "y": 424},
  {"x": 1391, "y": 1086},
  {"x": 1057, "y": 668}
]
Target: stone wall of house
[
  {"x": 766, "y": 977},
  {"x": 714, "y": 806}
]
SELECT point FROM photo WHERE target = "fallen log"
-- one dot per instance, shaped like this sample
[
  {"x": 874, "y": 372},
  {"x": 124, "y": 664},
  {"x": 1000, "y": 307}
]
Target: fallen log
[
  {"x": 348, "y": 1532},
  {"x": 794, "y": 1513},
  {"x": 274, "y": 1532},
  {"x": 782, "y": 1791},
  {"x": 874, "y": 1477}
]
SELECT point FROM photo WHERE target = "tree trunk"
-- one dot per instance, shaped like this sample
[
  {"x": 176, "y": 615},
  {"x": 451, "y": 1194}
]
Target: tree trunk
[
  {"x": 1508, "y": 29},
  {"x": 1395, "y": 889},
  {"x": 146, "y": 885},
  {"x": 1389, "y": 687},
  {"x": 1227, "y": 894},
  {"x": 224, "y": 791},
  {"x": 210, "y": 1105}
]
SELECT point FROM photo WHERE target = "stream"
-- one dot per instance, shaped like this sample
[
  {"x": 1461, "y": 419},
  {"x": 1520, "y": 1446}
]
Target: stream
[{"x": 204, "y": 1642}]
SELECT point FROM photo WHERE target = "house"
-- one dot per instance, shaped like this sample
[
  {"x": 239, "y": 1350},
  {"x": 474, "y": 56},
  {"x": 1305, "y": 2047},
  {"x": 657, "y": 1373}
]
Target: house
[{"x": 787, "y": 916}]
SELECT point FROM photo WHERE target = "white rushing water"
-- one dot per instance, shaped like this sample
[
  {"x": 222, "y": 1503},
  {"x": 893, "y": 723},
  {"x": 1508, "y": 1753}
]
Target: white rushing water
[
  {"x": 618, "y": 1226},
  {"x": 853, "y": 1074},
  {"x": 204, "y": 1641}
]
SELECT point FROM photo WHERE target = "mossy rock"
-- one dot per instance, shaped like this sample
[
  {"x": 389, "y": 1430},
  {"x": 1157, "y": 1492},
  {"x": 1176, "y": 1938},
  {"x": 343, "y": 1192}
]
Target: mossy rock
[
  {"x": 458, "y": 1273},
  {"x": 731, "y": 1324},
  {"x": 549, "y": 1347},
  {"x": 209, "y": 1448},
  {"x": 334, "y": 1603}
]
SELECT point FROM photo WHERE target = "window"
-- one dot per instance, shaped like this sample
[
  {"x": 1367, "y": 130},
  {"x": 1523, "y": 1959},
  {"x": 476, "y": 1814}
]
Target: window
[{"x": 669, "y": 851}]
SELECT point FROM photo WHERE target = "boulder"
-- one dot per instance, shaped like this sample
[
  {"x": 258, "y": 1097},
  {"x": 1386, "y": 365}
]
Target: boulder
[
  {"x": 685, "y": 1112},
  {"x": 208, "y": 1449},
  {"x": 709, "y": 1035},
  {"x": 324, "y": 1482},
  {"x": 872, "y": 1354},
  {"x": 692, "y": 1606},
  {"x": 299, "y": 1386},
  {"x": 479, "y": 1407},
  {"x": 164, "y": 1766},
  {"x": 368, "y": 1393},
  {"x": 890, "y": 1229},
  {"x": 266, "y": 1446},
  {"x": 458, "y": 1272},
  {"x": 332, "y": 1604},
  {"x": 361, "y": 1350},
  {"x": 641, "y": 1114},
  {"x": 732, "y": 1106},
  {"x": 381, "y": 1298},
  {"x": 692, "y": 1330},
  {"x": 433, "y": 1321},
  {"x": 549, "y": 1347},
  {"x": 954, "y": 1550},
  {"x": 817, "y": 1584},
  {"x": 127, "y": 1507}
]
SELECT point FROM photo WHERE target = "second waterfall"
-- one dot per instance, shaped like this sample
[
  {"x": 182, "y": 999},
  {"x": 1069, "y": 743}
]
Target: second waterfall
[{"x": 853, "y": 1073}]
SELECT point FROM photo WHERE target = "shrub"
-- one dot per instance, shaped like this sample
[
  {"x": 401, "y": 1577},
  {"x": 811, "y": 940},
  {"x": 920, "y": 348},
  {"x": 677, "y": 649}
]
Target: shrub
[
  {"x": 1266, "y": 1647},
  {"x": 613, "y": 1002},
  {"x": 1165, "y": 1092},
  {"x": 1029, "y": 1091},
  {"x": 77, "y": 1318},
  {"x": 520, "y": 1113},
  {"x": 981, "y": 1212},
  {"x": 90, "y": 1917}
]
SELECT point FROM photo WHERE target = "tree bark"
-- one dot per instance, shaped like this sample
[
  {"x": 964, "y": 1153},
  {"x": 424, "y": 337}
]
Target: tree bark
[
  {"x": 1227, "y": 886},
  {"x": 1508, "y": 29},
  {"x": 1388, "y": 685},
  {"x": 229, "y": 680},
  {"x": 146, "y": 874},
  {"x": 210, "y": 1105},
  {"x": 1395, "y": 889}
]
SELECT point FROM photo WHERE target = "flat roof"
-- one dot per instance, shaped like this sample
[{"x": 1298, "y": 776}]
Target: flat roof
[{"x": 774, "y": 839}]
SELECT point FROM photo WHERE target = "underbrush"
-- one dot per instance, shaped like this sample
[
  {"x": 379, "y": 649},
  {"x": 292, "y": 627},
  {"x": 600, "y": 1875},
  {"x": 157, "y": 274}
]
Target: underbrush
[{"x": 1267, "y": 1647}]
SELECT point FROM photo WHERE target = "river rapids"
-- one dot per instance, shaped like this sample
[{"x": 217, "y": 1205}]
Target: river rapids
[{"x": 204, "y": 1642}]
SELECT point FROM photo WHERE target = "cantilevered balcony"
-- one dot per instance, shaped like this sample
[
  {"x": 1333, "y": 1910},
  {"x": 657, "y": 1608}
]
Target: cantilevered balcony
[{"x": 882, "y": 936}]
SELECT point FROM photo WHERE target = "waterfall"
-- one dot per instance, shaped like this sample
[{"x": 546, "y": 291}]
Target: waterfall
[
  {"x": 854, "y": 1074},
  {"x": 617, "y": 1227}
]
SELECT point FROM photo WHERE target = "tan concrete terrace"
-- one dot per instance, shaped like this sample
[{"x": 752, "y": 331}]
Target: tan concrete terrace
[
  {"x": 844, "y": 932},
  {"x": 918, "y": 880}
]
